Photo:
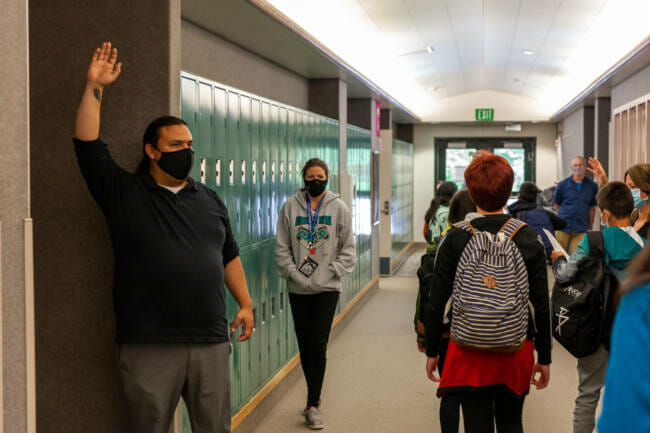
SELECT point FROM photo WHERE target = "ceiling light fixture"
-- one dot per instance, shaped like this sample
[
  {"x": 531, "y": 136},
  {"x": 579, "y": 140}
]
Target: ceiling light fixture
[
  {"x": 346, "y": 29},
  {"x": 528, "y": 52}
]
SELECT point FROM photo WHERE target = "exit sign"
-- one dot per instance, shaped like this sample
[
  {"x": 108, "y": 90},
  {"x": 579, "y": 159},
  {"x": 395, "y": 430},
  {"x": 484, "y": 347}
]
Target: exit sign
[{"x": 484, "y": 114}]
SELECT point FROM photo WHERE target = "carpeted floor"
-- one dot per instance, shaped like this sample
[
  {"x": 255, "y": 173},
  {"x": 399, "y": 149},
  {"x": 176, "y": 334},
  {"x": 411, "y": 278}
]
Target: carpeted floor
[{"x": 375, "y": 380}]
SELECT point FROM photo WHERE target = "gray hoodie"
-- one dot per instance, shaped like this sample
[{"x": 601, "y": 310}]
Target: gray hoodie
[{"x": 334, "y": 243}]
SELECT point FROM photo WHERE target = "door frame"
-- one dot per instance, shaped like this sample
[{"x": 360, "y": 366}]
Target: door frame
[{"x": 529, "y": 144}]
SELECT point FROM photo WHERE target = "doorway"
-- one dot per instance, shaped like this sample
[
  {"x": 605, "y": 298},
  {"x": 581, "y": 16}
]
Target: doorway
[{"x": 453, "y": 155}]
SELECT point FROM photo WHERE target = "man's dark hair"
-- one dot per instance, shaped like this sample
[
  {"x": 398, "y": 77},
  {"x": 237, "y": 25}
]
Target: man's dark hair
[
  {"x": 617, "y": 199},
  {"x": 152, "y": 135},
  {"x": 528, "y": 191}
]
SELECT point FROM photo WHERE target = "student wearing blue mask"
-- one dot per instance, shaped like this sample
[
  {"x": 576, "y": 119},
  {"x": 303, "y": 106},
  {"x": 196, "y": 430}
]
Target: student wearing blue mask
[
  {"x": 621, "y": 244},
  {"x": 637, "y": 178}
]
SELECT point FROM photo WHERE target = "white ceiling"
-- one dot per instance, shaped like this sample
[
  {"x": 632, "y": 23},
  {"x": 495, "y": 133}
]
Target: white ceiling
[{"x": 477, "y": 46}]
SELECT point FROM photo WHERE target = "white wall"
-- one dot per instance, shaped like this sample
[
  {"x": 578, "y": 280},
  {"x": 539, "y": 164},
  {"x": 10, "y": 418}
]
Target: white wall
[
  {"x": 507, "y": 108},
  {"x": 424, "y": 155}
]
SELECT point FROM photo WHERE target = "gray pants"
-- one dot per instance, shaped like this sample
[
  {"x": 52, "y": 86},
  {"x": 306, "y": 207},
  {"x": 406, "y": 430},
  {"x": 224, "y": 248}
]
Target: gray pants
[
  {"x": 154, "y": 376},
  {"x": 591, "y": 377}
]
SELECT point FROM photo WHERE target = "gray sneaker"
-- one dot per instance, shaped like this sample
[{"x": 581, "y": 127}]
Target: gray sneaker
[{"x": 313, "y": 418}]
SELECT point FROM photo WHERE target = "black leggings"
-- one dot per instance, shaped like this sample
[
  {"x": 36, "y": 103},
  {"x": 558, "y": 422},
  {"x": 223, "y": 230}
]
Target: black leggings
[
  {"x": 482, "y": 408},
  {"x": 449, "y": 404},
  {"x": 312, "y": 319}
]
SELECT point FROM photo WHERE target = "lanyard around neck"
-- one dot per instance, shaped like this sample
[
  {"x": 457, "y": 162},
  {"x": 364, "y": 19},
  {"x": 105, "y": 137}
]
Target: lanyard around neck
[{"x": 312, "y": 221}]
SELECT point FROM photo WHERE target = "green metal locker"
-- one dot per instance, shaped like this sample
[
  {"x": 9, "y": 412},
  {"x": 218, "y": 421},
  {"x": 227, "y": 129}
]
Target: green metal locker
[
  {"x": 234, "y": 165},
  {"x": 263, "y": 316},
  {"x": 245, "y": 164},
  {"x": 256, "y": 199},
  {"x": 264, "y": 157},
  {"x": 220, "y": 141}
]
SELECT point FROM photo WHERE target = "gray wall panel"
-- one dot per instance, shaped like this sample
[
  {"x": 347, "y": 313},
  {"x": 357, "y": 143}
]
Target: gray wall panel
[
  {"x": 573, "y": 138},
  {"x": 634, "y": 87},
  {"x": 77, "y": 380},
  {"x": 14, "y": 208},
  {"x": 210, "y": 56}
]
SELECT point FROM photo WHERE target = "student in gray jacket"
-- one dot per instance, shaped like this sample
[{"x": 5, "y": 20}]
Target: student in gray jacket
[{"x": 314, "y": 249}]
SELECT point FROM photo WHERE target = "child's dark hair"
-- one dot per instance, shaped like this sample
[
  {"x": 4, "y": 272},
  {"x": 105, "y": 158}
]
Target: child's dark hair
[
  {"x": 443, "y": 196},
  {"x": 528, "y": 191},
  {"x": 459, "y": 206},
  {"x": 315, "y": 162},
  {"x": 616, "y": 198}
]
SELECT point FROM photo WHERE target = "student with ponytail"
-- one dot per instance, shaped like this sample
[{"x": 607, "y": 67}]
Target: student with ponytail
[{"x": 435, "y": 219}]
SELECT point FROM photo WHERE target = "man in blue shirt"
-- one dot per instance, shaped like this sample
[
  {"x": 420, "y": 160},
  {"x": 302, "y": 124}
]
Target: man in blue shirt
[{"x": 575, "y": 201}]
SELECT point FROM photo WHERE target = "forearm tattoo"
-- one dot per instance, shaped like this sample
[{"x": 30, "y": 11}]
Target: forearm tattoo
[{"x": 98, "y": 95}]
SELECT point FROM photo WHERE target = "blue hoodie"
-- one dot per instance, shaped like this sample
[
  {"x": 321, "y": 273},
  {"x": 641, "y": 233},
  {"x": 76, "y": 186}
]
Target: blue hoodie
[
  {"x": 621, "y": 245},
  {"x": 626, "y": 404}
]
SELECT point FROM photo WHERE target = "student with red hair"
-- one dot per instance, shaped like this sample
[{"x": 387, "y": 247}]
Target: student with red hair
[{"x": 491, "y": 377}]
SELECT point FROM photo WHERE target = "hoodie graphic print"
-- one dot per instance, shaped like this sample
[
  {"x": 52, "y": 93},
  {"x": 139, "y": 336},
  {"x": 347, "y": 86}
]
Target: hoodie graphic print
[{"x": 334, "y": 244}]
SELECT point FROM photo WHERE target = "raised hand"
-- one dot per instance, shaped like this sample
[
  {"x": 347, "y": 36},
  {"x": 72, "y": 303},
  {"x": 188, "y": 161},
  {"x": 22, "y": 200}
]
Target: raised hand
[
  {"x": 598, "y": 171},
  {"x": 103, "y": 70}
]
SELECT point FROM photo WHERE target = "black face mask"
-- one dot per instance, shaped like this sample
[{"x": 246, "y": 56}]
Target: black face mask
[
  {"x": 315, "y": 187},
  {"x": 177, "y": 164}
]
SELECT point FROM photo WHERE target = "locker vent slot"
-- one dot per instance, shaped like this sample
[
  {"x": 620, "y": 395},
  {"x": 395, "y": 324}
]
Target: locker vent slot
[{"x": 243, "y": 172}]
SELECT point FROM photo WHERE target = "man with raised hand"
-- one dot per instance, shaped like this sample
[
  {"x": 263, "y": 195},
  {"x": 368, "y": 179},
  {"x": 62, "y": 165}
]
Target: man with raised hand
[
  {"x": 575, "y": 202},
  {"x": 174, "y": 251}
]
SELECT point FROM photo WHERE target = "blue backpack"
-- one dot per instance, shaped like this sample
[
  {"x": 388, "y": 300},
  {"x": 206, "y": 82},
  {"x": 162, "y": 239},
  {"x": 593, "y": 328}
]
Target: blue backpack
[{"x": 539, "y": 220}]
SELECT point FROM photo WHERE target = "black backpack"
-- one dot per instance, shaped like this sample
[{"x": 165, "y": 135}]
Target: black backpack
[
  {"x": 425, "y": 275},
  {"x": 580, "y": 308}
]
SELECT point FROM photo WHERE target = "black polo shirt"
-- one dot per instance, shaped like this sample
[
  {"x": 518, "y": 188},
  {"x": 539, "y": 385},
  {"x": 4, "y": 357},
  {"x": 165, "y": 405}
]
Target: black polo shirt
[{"x": 170, "y": 252}]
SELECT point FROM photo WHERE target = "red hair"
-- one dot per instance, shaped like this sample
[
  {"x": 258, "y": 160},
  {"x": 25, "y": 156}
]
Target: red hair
[{"x": 489, "y": 180}]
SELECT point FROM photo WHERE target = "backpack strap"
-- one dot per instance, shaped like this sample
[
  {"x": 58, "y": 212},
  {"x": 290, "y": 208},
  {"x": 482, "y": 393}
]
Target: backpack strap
[
  {"x": 596, "y": 244},
  {"x": 512, "y": 227},
  {"x": 597, "y": 250},
  {"x": 465, "y": 226}
]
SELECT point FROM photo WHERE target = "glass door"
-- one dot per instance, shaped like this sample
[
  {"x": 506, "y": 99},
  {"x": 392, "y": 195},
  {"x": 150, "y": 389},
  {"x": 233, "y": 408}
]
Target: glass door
[{"x": 453, "y": 155}]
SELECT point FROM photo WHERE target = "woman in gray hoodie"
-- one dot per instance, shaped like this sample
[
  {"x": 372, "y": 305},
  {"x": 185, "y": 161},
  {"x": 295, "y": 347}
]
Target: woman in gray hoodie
[{"x": 314, "y": 249}]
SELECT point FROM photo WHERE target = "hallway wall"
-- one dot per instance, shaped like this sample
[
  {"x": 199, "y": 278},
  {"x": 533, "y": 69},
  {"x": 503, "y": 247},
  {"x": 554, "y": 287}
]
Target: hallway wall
[
  {"x": 207, "y": 55},
  {"x": 78, "y": 387}
]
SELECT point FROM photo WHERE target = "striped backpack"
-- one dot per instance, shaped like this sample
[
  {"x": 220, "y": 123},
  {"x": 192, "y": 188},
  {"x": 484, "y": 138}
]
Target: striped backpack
[{"x": 490, "y": 294}]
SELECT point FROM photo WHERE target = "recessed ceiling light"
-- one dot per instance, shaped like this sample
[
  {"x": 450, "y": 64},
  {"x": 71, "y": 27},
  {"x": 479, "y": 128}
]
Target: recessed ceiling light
[
  {"x": 528, "y": 52},
  {"x": 432, "y": 89},
  {"x": 429, "y": 49}
]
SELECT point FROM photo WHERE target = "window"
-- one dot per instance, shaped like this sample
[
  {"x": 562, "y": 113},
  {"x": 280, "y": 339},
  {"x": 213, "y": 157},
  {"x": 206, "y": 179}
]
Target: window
[{"x": 453, "y": 155}]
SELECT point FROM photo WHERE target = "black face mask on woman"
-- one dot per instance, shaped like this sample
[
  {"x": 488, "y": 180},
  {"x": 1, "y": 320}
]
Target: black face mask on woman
[
  {"x": 177, "y": 164},
  {"x": 315, "y": 187}
]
